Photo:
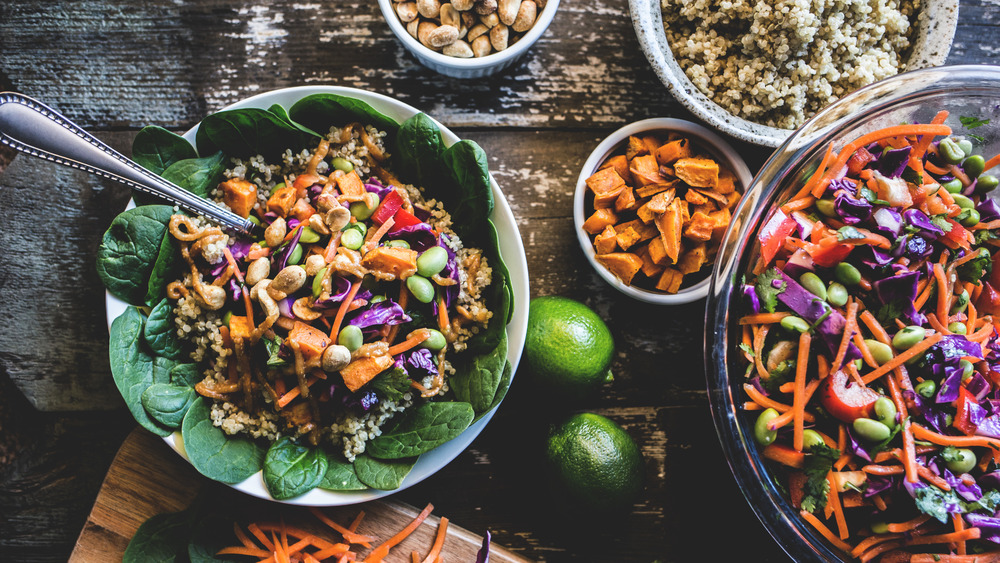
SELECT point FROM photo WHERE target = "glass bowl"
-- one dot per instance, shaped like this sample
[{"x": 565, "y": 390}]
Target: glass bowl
[{"x": 964, "y": 91}]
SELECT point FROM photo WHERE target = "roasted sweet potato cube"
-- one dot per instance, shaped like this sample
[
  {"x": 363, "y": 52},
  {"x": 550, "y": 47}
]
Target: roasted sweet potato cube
[
  {"x": 706, "y": 209},
  {"x": 653, "y": 189},
  {"x": 734, "y": 198},
  {"x": 605, "y": 242},
  {"x": 698, "y": 172},
  {"x": 694, "y": 197},
  {"x": 362, "y": 370},
  {"x": 656, "y": 205},
  {"x": 239, "y": 195},
  {"x": 604, "y": 181},
  {"x": 667, "y": 172},
  {"x": 620, "y": 165},
  {"x": 672, "y": 151},
  {"x": 626, "y": 201},
  {"x": 240, "y": 327},
  {"x": 627, "y": 237},
  {"x": 670, "y": 281},
  {"x": 310, "y": 341},
  {"x": 649, "y": 268},
  {"x": 652, "y": 142},
  {"x": 608, "y": 198},
  {"x": 700, "y": 228},
  {"x": 393, "y": 261},
  {"x": 670, "y": 223},
  {"x": 302, "y": 210},
  {"x": 634, "y": 232},
  {"x": 657, "y": 252},
  {"x": 692, "y": 260},
  {"x": 623, "y": 265},
  {"x": 351, "y": 184},
  {"x": 727, "y": 182},
  {"x": 635, "y": 147},
  {"x": 720, "y": 220},
  {"x": 600, "y": 219},
  {"x": 720, "y": 199},
  {"x": 281, "y": 201},
  {"x": 645, "y": 171}
]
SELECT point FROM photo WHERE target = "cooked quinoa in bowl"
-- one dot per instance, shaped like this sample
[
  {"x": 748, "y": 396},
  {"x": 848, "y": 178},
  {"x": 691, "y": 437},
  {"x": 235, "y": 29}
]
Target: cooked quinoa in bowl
[{"x": 364, "y": 331}]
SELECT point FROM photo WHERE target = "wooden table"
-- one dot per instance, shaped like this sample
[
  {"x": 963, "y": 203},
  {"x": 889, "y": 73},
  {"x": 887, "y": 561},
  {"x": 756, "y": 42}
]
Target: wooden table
[{"x": 114, "y": 66}]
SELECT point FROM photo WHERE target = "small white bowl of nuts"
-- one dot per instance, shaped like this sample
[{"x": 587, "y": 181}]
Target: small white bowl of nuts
[{"x": 468, "y": 38}]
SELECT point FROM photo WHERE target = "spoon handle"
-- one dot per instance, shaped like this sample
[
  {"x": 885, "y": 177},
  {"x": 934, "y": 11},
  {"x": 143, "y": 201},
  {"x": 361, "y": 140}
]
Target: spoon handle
[{"x": 35, "y": 129}]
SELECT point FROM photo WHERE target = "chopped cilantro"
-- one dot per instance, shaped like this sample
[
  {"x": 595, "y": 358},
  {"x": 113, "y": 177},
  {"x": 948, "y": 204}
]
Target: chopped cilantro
[
  {"x": 390, "y": 385},
  {"x": 984, "y": 235},
  {"x": 976, "y": 268},
  {"x": 766, "y": 289},
  {"x": 942, "y": 222},
  {"x": 848, "y": 232},
  {"x": 746, "y": 349},
  {"x": 272, "y": 346},
  {"x": 939, "y": 504},
  {"x": 892, "y": 310},
  {"x": 818, "y": 463},
  {"x": 781, "y": 374},
  {"x": 973, "y": 122},
  {"x": 976, "y": 138},
  {"x": 872, "y": 197}
]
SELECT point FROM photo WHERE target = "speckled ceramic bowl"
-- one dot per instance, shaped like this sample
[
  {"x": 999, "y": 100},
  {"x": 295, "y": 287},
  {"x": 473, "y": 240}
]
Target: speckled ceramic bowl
[{"x": 933, "y": 42}]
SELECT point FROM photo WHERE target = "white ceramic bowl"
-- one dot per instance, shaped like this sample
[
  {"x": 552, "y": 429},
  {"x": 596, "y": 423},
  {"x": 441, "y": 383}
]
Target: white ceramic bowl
[
  {"x": 511, "y": 249},
  {"x": 935, "y": 32},
  {"x": 474, "y": 67},
  {"x": 705, "y": 139}
]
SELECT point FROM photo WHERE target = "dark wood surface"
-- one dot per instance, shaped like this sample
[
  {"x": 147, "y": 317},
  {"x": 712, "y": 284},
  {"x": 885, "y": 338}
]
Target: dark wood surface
[{"x": 115, "y": 66}]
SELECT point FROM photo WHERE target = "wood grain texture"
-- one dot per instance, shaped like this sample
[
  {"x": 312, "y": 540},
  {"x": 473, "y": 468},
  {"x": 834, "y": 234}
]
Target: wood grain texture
[{"x": 148, "y": 478}]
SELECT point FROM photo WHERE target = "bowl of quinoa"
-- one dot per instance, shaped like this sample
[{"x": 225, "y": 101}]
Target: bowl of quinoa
[
  {"x": 358, "y": 289},
  {"x": 758, "y": 71}
]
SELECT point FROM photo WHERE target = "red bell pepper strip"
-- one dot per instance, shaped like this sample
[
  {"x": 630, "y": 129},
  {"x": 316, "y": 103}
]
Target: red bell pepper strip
[
  {"x": 388, "y": 207},
  {"x": 772, "y": 236},
  {"x": 403, "y": 219},
  {"x": 962, "y": 421}
]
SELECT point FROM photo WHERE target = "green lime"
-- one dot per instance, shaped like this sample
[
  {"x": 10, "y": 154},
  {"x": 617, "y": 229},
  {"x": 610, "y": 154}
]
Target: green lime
[
  {"x": 595, "y": 462},
  {"x": 568, "y": 348}
]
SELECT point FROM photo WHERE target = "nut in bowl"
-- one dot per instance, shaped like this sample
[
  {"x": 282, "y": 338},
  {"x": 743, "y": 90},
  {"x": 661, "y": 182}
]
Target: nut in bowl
[
  {"x": 468, "y": 38},
  {"x": 653, "y": 202}
]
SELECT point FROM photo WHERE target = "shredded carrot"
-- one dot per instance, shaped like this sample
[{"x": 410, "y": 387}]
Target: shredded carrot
[
  {"x": 918, "y": 304},
  {"x": 935, "y": 169},
  {"x": 838, "y": 510},
  {"x": 872, "y": 541},
  {"x": 972, "y": 314},
  {"x": 812, "y": 184},
  {"x": 294, "y": 392},
  {"x": 349, "y": 536},
  {"x": 442, "y": 315},
  {"x": 331, "y": 248},
  {"x": 339, "y": 319},
  {"x": 886, "y": 133},
  {"x": 981, "y": 334},
  {"x": 799, "y": 397},
  {"x": 922, "y": 433},
  {"x": 784, "y": 418},
  {"x": 260, "y": 535},
  {"x": 381, "y": 551},
  {"x": 943, "y": 290},
  {"x": 404, "y": 296},
  {"x": 850, "y": 327},
  {"x": 768, "y": 403},
  {"x": 243, "y": 551},
  {"x": 956, "y": 520},
  {"x": 992, "y": 162},
  {"x": 966, "y": 534},
  {"x": 413, "y": 340},
  {"x": 435, "y": 551},
  {"x": 866, "y": 353},
  {"x": 763, "y": 318},
  {"x": 874, "y": 469},
  {"x": 909, "y": 524},
  {"x": 899, "y": 359},
  {"x": 825, "y": 532},
  {"x": 933, "y": 479},
  {"x": 879, "y": 550},
  {"x": 932, "y": 319},
  {"x": 375, "y": 236}
]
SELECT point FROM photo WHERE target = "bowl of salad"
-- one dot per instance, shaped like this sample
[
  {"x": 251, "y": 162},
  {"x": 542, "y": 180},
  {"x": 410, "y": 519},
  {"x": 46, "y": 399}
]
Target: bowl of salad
[
  {"x": 358, "y": 344},
  {"x": 852, "y": 353}
]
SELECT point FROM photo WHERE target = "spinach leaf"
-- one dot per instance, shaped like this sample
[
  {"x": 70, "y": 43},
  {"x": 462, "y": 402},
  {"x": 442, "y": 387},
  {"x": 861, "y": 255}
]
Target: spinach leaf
[
  {"x": 162, "y": 538},
  {"x": 469, "y": 195},
  {"x": 390, "y": 385},
  {"x": 167, "y": 404},
  {"x": 340, "y": 476},
  {"x": 198, "y": 175},
  {"x": 248, "y": 132},
  {"x": 229, "y": 459},
  {"x": 321, "y": 111},
  {"x": 421, "y": 429},
  {"x": 160, "y": 332},
  {"x": 384, "y": 475},
  {"x": 505, "y": 379},
  {"x": 279, "y": 110},
  {"x": 209, "y": 534},
  {"x": 155, "y": 149},
  {"x": 129, "y": 250},
  {"x": 185, "y": 375},
  {"x": 132, "y": 366},
  {"x": 291, "y": 469},
  {"x": 164, "y": 269},
  {"x": 418, "y": 151},
  {"x": 477, "y": 382},
  {"x": 499, "y": 300}
]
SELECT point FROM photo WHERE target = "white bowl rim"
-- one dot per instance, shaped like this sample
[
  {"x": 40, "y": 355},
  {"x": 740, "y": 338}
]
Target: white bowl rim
[
  {"x": 512, "y": 250},
  {"x": 541, "y": 24},
  {"x": 708, "y": 141}
]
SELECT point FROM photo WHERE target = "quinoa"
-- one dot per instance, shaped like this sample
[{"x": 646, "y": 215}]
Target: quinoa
[{"x": 778, "y": 62}]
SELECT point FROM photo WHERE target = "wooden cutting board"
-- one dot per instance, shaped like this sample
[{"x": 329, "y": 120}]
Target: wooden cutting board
[{"x": 148, "y": 478}]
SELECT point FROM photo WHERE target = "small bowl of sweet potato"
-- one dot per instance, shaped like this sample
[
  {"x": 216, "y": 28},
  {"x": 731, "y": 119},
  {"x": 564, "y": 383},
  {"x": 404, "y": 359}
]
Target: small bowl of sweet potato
[{"x": 652, "y": 204}]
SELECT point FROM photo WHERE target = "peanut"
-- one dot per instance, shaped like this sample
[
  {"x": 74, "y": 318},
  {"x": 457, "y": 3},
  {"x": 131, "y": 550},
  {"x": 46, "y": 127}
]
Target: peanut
[
  {"x": 463, "y": 5},
  {"x": 424, "y": 31},
  {"x": 526, "y": 15},
  {"x": 429, "y": 8},
  {"x": 459, "y": 49},
  {"x": 476, "y": 31},
  {"x": 406, "y": 11},
  {"x": 484, "y": 7},
  {"x": 469, "y": 19},
  {"x": 450, "y": 16},
  {"x": 481, "y": 45},
  {"x": 499, "y": 36},
  {"x": 442, "y": 36},
  {"x": 507, "y": 10},
  {"x": 258, "y": 270},
  {"x": 411, "y": 27},
  {"x": 490, "y": 20},
  {"x": 275, "y": 232}
]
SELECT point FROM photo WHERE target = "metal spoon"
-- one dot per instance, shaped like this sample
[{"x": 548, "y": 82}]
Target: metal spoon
[{"x": 33, "y": 128}]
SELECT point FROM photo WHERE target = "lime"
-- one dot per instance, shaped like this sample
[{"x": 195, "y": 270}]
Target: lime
[
  {"x": 568, "y": 348},
  {"x": 595, "y": 462}
]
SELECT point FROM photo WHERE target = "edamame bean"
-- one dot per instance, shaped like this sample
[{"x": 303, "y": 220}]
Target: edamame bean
[
  {"x": 361, "y": 211},
  {"x": 967, "y": 369},
  {"x": 957, "y": 328},
  {"x": 811, "y": 438},
  {"x": 253, "y": 219},
  {"x": 950, "y": 151},
  {"x": 795, "y": 324},
  {"x": 963, "y": 461},
  {"x": 421, "y": 288},
  {"x": 882, "y": 353},
  {"x": 968, "y": 218},
  {"x": 974, "y": 165},
  {"x": 761, "y": 432},
  {"x": 377, "y": 299},
  {"x": 342, "y": 164},
  {"x": 880, "y": 528},
  {"x": 847, "y": 274},
  {"x": 961, "y": 302},
  {"x": 885, "y": 411},
  {"x": 308, "y": 236},
  {"x": 350, "y": 337},
  {"x": 826, "y": 207},
  {"x": 871, "y": 430},
  {"x": 858, "y": 364},
  {"x": 986, "y": 183},
  {"x": 966, "y": 146},
  {"x": 398, "y": 244},
  {"x": 432, "y": 261},
  {"x": 813, "y": 285},
  {"x": 435, "y": 342},
  {"x": 352, "y": 238},
  {"x": 295, "y": 256},
  {"x": 953, "y": 186},
  {"x": 962, "y": 201},
  {"x": 908, "y": 337},
  {"x": 926, "y": 388},
  {"x": 360, "y": 227},
  {"x": 226, "y": 317},
  {"x": 317, "y": 286},
  {"x": 836, "y": 295}
]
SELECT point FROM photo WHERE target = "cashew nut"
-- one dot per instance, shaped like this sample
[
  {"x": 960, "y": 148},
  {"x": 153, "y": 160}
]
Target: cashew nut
[
  {"x": 275, "y": 233},
  {"x": 288, "y": 280},
  {"x": 258, "y": 270}
]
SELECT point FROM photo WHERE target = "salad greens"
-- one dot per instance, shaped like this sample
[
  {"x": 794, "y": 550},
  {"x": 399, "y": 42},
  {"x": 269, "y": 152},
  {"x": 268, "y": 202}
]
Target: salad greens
[{"x": 138, "y": 257}]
